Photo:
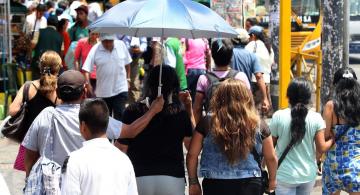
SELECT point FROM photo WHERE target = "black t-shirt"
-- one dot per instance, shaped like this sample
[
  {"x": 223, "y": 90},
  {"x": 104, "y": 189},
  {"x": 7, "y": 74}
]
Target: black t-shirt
[{"x": 158, "y": 149}]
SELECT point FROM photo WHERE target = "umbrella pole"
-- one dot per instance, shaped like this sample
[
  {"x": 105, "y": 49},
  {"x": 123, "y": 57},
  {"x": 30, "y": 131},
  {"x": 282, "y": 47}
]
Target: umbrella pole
[{"x": 161, "y": 65}]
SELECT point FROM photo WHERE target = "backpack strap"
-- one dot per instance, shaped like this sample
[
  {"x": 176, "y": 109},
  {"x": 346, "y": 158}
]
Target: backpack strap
[
  {"x": 212, "y": 77},
  {"x": 232, "y": 73}
]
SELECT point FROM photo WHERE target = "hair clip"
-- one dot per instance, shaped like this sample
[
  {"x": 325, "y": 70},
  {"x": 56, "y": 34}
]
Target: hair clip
[
  {"x": 46, "y": 70},
  {"x": 348, "y": 75}
]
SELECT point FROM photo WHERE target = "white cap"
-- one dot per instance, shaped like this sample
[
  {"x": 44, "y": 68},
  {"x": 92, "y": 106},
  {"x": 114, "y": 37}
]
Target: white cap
[
  {"x": 158, "y": 39},
  {"x": 106, "y": 36},
  {"x": 243, "y": 35}
]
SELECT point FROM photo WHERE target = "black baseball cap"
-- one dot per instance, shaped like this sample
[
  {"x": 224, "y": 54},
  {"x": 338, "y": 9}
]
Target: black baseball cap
[{"x": 71, "y": 84}]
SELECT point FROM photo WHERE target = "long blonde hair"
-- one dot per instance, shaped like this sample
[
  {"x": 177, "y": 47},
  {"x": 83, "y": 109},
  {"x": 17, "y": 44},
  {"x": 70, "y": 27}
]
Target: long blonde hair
[
  {"x": 50, "y": 64},
  {"x": 234, "y": 119}
]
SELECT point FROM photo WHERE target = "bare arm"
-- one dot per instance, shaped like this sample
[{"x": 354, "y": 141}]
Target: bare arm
[
  {"x": 271, "y": 161},
  {"x": 185, "y": 98},
  {"x": 30, "y": 159},
  {"x": 132, "y": 130},
  {"x": 90, "y": 91},
  {"x": 192, "y": 163},
  {"x": 121, "y": 147},
  {"x": 127, "y": 67},
  {"x": 77, "y": 65},
  {"x": 208, "y": 59},
  {"x": 328, "y": 117},
  {"x": 16, "y": 104},
  {"x": 322, "y": 145},
  {"x": 199, "y": 97},
  {"x": 261, "y": 84}
]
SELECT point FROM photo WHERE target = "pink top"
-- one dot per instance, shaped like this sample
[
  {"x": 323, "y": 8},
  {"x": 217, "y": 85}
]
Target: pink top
[
  {"x": 195, "y": 54},
  {"x": 203, "y": 83},
  {"x": 82, "y": 50}
]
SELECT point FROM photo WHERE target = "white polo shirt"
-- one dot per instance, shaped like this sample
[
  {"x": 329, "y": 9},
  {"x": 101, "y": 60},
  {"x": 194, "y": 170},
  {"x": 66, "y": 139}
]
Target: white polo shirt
[
  {"x": 98, "y": 168},
  {"x": 110, "y": 68}
]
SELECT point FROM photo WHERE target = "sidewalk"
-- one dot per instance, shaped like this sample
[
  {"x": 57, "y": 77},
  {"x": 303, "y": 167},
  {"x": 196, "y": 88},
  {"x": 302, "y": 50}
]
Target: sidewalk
[{"x": 13, "y": 178}]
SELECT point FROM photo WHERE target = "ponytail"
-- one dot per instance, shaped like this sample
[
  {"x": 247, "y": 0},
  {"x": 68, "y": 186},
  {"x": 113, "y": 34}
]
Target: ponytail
[
  {"x": 264, "y": 38},
  {"x": 48, "y": 84},
  {"x": 298, "y": 124},
  {"x": 50, "y": 64},
  {"x": 299, "y": 95}
]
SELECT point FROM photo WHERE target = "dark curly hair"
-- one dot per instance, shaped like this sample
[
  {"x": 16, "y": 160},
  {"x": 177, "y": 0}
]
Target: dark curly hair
[
  {"x": 339, "y": 74},
  {"x": 347, "y": 98}
]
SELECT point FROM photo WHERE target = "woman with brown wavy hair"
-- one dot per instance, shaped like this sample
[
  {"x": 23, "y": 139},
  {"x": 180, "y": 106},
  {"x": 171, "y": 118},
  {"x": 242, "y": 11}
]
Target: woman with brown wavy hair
[
  {"x": 41, "y": 94},
  {"x": 229, "y": 136}
]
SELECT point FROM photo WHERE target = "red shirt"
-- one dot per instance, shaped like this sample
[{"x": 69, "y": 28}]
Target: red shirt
[
  {"x": 66, "y": 38},
  {"x": 82, "y": 50}
]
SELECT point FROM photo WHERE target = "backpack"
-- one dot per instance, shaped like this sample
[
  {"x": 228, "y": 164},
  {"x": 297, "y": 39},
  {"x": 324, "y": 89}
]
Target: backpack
[{"x": 214, "y": 82}]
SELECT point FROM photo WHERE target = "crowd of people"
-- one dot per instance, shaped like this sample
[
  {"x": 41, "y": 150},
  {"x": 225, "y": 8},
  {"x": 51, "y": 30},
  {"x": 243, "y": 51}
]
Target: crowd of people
[{"x": 92, "y": 113}]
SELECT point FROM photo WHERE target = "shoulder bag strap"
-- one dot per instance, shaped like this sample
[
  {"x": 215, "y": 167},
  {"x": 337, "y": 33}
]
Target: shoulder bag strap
[
  {"x": 56, "y": 130},
  {"x": 286, "y": 151},
  {"x": 26, "y": 92},
  {"x": 47, "y": 140}
]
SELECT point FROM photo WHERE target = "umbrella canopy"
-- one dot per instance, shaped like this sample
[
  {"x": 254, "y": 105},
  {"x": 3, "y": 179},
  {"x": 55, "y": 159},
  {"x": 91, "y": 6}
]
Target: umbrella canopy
[{"x": 163, "y": 18}]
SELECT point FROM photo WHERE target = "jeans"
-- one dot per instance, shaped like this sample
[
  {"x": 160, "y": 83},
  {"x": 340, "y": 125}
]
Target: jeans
[
  {"x": 247, "y": 186},
  {"x": 294, "y": 189},
  {"x": 192, "y": 78},
  {"x": 116, "y": 104}
]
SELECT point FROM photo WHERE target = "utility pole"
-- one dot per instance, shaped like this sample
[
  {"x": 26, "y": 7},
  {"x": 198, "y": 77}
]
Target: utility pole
[
  {"x": 334, "y": 41},
  {"x": 285, "y": 51},
  {"x": 274, "y": 26}
]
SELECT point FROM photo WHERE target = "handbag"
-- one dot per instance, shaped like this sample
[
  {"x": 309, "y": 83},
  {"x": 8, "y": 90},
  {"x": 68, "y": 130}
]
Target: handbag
[
  {"x": 14, "y": 128},
  {"x": 264, "y": 173},
  {"x": 45, "y": 175}
]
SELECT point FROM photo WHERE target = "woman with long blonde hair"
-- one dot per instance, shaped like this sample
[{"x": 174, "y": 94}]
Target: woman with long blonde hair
[
  {"x": 231, "y": 140},
  {"x": 40, "y": 94}
]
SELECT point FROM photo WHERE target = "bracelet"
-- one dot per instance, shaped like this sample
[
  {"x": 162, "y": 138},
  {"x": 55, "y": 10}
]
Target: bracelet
[{"x": 193, "y": 181}]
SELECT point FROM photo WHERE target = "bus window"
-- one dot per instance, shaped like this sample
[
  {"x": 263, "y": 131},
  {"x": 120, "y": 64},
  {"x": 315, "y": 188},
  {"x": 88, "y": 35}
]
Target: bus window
[{"x": 306, "y": 14}]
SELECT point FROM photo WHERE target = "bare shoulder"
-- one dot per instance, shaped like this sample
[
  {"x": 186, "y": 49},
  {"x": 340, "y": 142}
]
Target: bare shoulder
[{"x": 329, "y": 105}]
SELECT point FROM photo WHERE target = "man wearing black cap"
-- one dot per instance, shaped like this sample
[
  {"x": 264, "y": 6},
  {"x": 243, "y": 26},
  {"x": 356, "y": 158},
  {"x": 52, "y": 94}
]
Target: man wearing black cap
[
  {"x": 63, "y": 122},
  {"x": 44, "y": 40},
  {"x": 79, "y": 30}
]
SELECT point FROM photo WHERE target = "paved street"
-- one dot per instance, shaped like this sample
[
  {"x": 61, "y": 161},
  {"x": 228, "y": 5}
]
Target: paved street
[{"x": 15, "y": 179}]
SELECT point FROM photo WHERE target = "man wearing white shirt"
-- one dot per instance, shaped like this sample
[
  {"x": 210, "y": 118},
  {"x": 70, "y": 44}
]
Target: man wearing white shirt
[
  {"x": 36, "y": 20},
  {"x": 112, "y": 59},
  {"x": 98, "y": 167}
]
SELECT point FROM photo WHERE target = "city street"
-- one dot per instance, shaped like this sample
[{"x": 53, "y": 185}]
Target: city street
[{"x": 15, "y": 179}]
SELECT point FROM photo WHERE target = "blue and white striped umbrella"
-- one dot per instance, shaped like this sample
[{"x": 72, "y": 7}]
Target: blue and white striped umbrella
[{"x": 163, "y": 18}]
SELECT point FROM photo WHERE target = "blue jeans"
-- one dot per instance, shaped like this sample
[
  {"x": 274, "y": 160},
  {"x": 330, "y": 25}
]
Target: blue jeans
[
  {"x": 294, "y": 189},
  {"x": 192, "y": 79}
]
